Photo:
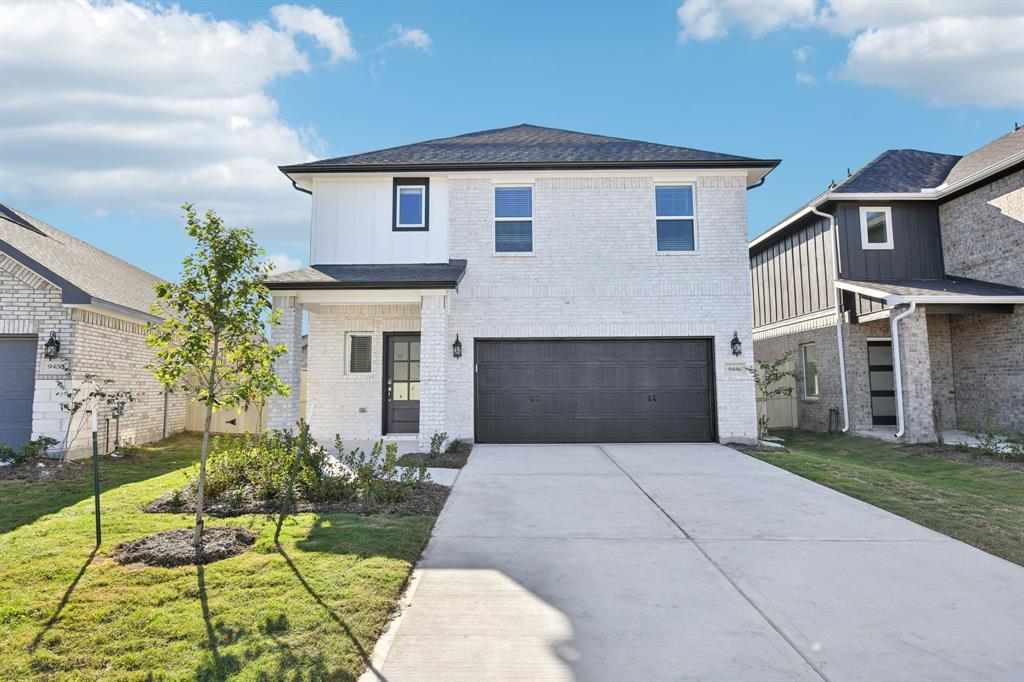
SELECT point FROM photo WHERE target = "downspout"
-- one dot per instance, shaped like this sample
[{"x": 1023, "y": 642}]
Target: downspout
[
  {"x": 839, "y": 314},
  {"x": 894, "y": 327}
]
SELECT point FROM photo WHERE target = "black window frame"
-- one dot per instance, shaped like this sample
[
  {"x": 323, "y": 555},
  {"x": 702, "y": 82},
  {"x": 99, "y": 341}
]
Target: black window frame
[{"x": 406, "y": 182}]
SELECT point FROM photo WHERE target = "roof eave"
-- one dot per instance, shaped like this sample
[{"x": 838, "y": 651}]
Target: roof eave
[
  {"x": 529, "y": 166},
  {"x": 312, "y": 286}
]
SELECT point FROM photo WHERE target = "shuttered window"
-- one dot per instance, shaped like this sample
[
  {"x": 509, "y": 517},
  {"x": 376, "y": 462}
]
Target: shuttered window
[
  {"x": 360, "y": 349},
  {"x": 513, "y": 219},
  {"x": 675, "y": 218}
]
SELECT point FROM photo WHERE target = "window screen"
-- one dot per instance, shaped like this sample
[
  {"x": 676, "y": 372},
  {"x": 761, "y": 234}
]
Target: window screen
[
  {"x": 410, "y": 206},
  {"x": 513, "y": 219},
  {"x": 360, "y": 348},
  {"x": 810, "y": 363},
  {"x": 675, "y": 218}
]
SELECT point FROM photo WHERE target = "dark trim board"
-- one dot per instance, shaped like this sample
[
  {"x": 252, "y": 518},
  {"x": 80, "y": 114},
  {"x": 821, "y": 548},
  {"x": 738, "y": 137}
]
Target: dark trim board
[
  {"x": 624, "y": 417},
  {"x": 410, "y": 182}
]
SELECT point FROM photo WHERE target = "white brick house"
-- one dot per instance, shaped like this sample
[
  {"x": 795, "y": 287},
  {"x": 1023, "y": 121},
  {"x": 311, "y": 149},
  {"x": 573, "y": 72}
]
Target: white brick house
[
  {"x": 594, "y": 286},
  {"x": 96, "y": 306}
]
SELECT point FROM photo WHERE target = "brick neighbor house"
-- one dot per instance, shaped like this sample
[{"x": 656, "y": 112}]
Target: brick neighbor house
[
  {"x": 95, "y": 306},
  {"x": 914, "y": 267},
  {"x": 524, "y": 284}
]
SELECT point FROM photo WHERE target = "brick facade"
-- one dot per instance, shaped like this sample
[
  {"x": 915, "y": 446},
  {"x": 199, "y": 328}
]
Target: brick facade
[
  {"x": 90, "y": 344},
  {"x": 284, "y": 410}
]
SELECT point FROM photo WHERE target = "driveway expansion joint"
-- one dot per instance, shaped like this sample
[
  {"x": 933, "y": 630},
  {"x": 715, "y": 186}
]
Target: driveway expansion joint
[{"x": 778, "y": 629}]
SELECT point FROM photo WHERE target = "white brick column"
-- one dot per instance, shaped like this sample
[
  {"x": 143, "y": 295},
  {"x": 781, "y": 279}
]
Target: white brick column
[
  {"x": 434, "y": 349},
  {"x": 284, "y": 412},
  {"x": 916, "y": 371}
]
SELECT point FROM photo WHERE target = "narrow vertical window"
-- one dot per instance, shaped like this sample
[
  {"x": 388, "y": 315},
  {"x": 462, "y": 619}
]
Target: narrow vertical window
[
  {"x": 675, "y": 218},
  {"x": 411, "y": 204},
  {"x": 513, "y": 219},
  {"x": 809, "y": 358}
]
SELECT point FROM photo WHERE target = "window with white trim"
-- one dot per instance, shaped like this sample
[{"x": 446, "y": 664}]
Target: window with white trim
[
  {"x": 513, "y": 219},
  {"x": 360, "y": 353},
  {"x": 675, "y": 218},
  {"x": 411, "y": 206},
  {"x": 876, "y": 227},
  {"x": 809, "y": 360}
]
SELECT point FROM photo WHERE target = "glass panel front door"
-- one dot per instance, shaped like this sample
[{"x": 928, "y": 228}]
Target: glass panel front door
[
  {"x": 402, "y": 384},
  {"x": 882, "y": 385}
]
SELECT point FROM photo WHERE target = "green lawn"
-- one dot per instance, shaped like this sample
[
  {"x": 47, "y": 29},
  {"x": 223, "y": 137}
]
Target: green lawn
[
  {"x": 983, "y": 506},
  {"x": 313, "y": 611}
]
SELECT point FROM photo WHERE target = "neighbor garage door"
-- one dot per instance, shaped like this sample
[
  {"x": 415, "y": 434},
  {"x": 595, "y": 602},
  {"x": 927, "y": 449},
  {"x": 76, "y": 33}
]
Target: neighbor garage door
[
  {"x": 594, "y": 390},
  {"x": 17, "y": 386}
]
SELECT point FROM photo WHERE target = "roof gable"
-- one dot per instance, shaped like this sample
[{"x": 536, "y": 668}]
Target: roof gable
[
  {"x": 526, "y": 146},
  {"x": 984, "y": 157},
  {"x": 899, "y": 170}
]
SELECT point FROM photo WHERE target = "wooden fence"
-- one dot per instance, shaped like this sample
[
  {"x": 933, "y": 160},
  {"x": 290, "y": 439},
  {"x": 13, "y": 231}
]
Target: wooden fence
[
  {"x": 781, "y": 410},
  {"x": 231, "y": 421}
]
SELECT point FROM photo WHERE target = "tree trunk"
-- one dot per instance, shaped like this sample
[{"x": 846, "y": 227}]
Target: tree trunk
[{"x": 197, "y": 537}]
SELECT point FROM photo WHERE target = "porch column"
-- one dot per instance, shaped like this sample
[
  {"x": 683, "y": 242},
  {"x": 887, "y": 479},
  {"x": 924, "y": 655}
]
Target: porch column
[
  {"x": 284, "y": 411},
  {"x": 434, "y": 349},
  {"x": 916, "y": 371}
]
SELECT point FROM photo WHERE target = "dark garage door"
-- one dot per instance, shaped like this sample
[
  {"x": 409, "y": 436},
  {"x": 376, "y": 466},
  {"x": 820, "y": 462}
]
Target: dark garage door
[
  {"x": 593, "y": 390},
  {"x": 17, "y": 388}
]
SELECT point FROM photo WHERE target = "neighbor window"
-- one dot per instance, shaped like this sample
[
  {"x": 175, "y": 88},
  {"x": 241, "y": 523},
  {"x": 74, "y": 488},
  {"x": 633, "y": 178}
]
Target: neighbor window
[
  {"x": 411, "y": 204},
  {"x": 675, "y": 217},
  {"x": 876, "y": 227},
  {"x": 360, "y": 348},
  {"x": 809, "y": 358},
  {"x": 513, "y": 219}
]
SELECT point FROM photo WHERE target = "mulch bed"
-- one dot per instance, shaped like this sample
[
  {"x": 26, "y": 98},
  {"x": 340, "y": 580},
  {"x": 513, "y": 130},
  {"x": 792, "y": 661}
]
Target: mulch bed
[
  {"x": 428, "y": 500},
  {"x": 54, "y": 469},
  {"x": 950, "y": 452},
  {"x": 444, "y": 460},
  {"x": 174, "y": 547},
  {"x": 755, "y": 449}
]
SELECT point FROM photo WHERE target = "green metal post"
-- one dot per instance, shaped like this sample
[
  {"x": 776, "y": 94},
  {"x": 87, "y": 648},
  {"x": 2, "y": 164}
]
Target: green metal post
[{"x": 96, "y": 478}]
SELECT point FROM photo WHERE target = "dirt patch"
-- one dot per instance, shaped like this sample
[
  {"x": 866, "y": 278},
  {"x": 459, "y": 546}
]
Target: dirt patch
[
  {"x": 971, "y": 456},
  {"x": 445, "y": 460},
  {"x": 428, "y": 500},
  {"x": 46, "y": 469},
  {"x": 174, "y": 547},
  {"x": 756, "y": 449}
]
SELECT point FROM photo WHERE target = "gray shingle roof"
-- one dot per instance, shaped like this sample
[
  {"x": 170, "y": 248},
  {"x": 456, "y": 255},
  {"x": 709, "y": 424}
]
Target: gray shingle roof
[
  {"x": 899, "y": 170},
  {"x": 948, "y": 286},
  {"x": 526, "y": 146},
  {"x": 991, "y": 154},
  {"x": 94, "y": 273},
  {"x": 376, "y": 276}
]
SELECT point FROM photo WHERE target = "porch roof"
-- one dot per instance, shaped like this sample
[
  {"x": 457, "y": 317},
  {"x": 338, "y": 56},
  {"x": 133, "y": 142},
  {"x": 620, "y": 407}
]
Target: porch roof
[
  {"x": 958, "y": 290},
  {"x": 372, "y": 276}
]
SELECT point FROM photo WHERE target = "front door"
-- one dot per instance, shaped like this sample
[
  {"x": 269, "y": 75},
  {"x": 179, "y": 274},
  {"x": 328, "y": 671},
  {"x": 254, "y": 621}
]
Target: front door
[
  {"x": 402, "y": 383},
  {"x": 883, "y": 388}
]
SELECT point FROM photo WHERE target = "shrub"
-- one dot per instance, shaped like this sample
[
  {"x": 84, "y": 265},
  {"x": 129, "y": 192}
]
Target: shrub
[
  {"x": 454, "y": 446},
  {"x": 437, "y": 443},
  {"x": 376, "y": 477},
  {"x": 29, "y": 452}
]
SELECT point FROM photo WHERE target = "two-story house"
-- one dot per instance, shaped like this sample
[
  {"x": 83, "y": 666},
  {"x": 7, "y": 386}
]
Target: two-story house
[
  {"x": 900, "y": 294},
  {"x": 524, "y": 284}
]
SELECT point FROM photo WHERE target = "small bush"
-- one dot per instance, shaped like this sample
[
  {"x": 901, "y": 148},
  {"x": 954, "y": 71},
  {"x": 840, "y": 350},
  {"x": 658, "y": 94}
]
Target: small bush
[
  {"x": 437, "y": 443},
  {"x": 377, "y": 477},
  {"x": 454, "y": 446},
  {"x": 29, "y": 452}
]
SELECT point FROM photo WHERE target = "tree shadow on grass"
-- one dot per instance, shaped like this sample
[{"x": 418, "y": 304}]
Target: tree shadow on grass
[
  {"x": 221, "y": 666},
  {"x": 338, "y": 620},
  {"x": 63, "y": 602}
]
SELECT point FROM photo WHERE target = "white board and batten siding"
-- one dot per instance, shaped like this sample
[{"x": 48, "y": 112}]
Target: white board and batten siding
[{"x": 352, "y": 223}]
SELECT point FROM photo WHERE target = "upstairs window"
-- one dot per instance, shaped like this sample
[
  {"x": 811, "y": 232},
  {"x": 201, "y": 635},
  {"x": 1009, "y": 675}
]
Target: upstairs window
[
  {"x": 411, "y": 204},
  {"x": 876, "y": 227},
  {"x": 675, "y": 217},
  {"x": 513, "y": 219},
  {"x": 360, "y": 353}
]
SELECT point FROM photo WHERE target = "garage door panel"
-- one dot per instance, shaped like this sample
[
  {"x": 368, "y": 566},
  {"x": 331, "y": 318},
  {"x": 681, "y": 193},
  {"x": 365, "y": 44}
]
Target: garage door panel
[
  {"x": 593, "y": 390},
  {"x": 17, "y": 389}
]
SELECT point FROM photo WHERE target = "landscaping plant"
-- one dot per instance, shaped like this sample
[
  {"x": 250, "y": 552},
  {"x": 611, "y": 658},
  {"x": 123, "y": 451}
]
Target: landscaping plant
[
  {"x": 376, "y": 476},
  {"x": 28, "y": 452},
  {"x": 212, "y": 342},
  {"x": 437, "y": 442},
  {"x": 768, "y": 376},
  {"x": 91, "y": 390}
]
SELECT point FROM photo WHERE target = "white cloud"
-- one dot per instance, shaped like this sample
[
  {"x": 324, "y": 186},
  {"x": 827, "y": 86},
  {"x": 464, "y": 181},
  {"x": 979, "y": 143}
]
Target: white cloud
[
  {"x": 329, "y": 32},
  {"x": 413, "y": 38},
  {"x": 802, "y": 54},
  {"x": 948, "y": 52},
  {"x": 283, "y": 262},
  {"x": 119, "y": 106},
  {"x": 804, "y": 78}
]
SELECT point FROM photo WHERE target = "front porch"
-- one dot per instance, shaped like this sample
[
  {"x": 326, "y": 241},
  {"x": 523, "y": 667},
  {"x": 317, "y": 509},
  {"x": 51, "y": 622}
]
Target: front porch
[{"x": 377, "y": 353}]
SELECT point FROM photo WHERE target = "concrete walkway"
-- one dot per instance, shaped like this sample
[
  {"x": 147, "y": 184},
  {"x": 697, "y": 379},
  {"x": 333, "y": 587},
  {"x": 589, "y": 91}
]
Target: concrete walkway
[{"x": 690, "y": 562}]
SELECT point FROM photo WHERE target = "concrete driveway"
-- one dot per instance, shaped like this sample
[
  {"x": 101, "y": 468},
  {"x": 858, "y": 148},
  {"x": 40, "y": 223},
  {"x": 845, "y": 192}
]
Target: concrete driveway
[{"x": 687, "y": 562}]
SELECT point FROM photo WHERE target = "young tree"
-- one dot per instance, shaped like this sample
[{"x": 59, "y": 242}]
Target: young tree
[
  {"x": 768, "y": 378},
  {"x": 212, "y": 342}
]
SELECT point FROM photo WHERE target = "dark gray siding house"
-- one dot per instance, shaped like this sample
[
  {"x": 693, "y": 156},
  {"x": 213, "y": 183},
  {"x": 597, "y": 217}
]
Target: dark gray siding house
[{"x": 900, "y": 294}]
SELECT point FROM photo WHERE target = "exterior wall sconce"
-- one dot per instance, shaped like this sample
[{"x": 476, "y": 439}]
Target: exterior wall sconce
[
  {"x": 52, "y": 347},
  {"x": 737, "y": 346},
  {"x": 457, "y": 348}
]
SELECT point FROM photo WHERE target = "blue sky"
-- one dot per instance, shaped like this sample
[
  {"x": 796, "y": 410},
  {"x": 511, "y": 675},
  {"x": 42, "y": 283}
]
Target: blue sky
[{"x": 104, "y": 137}]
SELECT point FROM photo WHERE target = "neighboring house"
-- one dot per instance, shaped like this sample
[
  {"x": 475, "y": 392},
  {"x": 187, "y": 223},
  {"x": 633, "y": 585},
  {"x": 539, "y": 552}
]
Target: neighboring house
[
  {"x": 95, "y": 306},
  {"x": 524, "y": 284},
  {"x": 929, "y": 250}
]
